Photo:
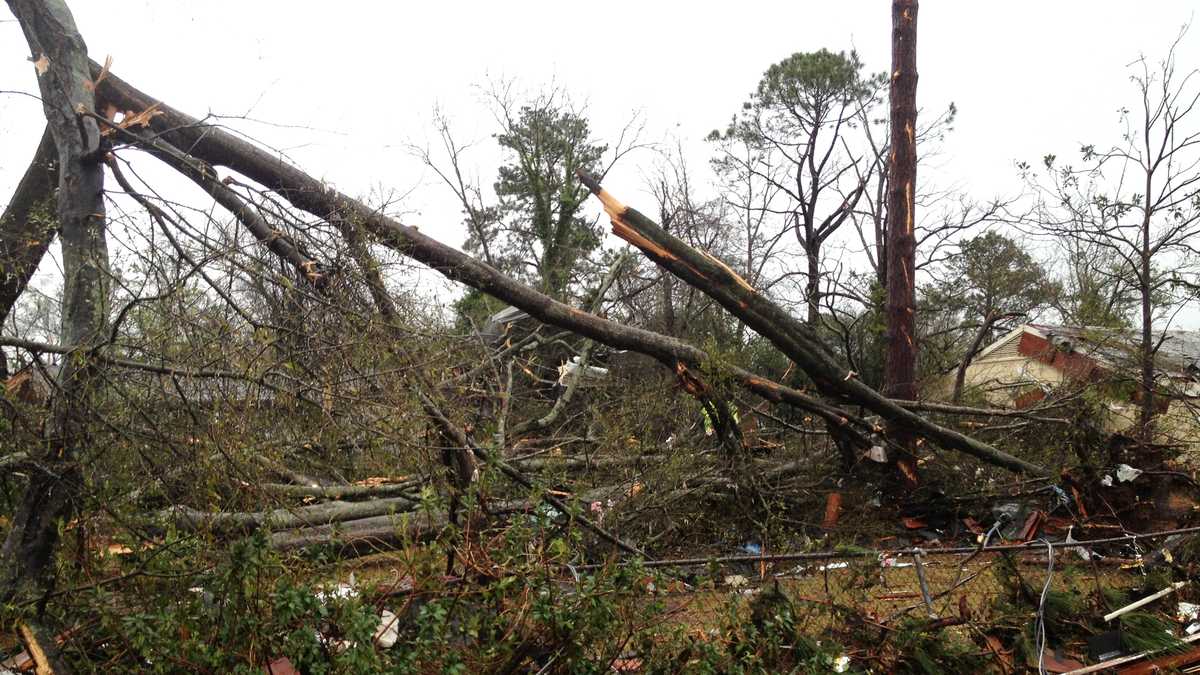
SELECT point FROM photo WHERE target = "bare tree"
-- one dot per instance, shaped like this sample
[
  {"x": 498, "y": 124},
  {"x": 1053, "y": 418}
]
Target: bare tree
[
  {"x": 1138, "y": 202},
  {"x": 789, "y": 154}
]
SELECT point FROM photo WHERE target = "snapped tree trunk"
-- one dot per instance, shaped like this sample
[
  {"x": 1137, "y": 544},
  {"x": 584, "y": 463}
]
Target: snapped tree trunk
[
  {"x": 900, "y": 367},
  {"x": 792, "y": 337}
]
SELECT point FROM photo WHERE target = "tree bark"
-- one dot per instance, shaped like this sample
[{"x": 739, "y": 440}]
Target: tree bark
[
  {"x": 28, "y": 224},
  {"x": 61, "y": 63},
  {"x": 812, "y": 284},
  {"x": 900, "y": 366},
  {"x": 1146, "y": 412}
]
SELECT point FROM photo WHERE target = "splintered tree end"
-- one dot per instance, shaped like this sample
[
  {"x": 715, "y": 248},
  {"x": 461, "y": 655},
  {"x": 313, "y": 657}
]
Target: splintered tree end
[{"x": 614, "y": 207}]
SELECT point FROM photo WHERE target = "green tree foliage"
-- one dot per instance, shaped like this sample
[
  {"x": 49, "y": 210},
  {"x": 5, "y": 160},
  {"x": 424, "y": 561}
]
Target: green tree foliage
[
  {"x": 1097, "y": 290},
  {"x": 793, "y": 138},
  {"x": 991, "y": 282},
  {"x": 994, "y": 277},
  {"x": 536, "y": 230}
]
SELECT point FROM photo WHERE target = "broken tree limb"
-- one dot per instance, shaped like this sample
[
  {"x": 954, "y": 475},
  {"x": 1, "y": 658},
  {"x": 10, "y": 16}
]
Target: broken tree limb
[
  {"x": 968, "y": 411},
  {"x": 42, "y": 649},
  {"x": 28, "y": 224},
  {"x": 390, "y": 531},
  {"x": 189, "y": 519},
  {"x": 206, "y": 179},
  {"x": 796, "y": 340},
  {"x": 220, "y": 148},
  {"x": 343, "y": 492}
]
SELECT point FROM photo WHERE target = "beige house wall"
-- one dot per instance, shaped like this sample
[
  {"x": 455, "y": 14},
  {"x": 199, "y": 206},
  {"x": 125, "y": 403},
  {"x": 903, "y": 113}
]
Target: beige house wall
[{"x": 1000, "y": 376}]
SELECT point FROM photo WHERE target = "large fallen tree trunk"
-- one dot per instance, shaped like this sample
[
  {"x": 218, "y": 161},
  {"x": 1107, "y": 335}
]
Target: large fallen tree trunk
[
  {"x": 28, "y": 225},
  {"x": 219, "y": 148},
  {"x": 788, "y": 334}
]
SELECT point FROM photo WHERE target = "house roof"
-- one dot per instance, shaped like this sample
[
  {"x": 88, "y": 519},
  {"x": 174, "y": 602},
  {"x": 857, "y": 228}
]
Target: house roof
[{"x": 1178, "y": 353}]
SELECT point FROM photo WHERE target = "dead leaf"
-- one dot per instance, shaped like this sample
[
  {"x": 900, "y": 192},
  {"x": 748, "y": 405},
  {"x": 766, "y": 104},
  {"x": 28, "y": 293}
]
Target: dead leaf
[{"x": 914, "y": 523}]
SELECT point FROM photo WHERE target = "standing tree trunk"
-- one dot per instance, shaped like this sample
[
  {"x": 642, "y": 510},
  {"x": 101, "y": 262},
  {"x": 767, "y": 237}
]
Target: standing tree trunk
[
  {"x": 812, "y": 288},
  {"x": 1146, "y": 282},
  {"x": 960, "y": 377},
  {"x": 60, "y": 59},
  {"x": 901, "y": 363}
]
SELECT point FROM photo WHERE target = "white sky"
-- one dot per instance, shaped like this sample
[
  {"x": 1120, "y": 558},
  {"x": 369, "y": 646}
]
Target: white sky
[{"x": 360, "y": 79}]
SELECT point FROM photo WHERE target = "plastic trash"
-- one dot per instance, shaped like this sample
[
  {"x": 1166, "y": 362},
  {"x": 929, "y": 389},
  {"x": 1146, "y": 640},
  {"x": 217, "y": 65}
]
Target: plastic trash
[
  {"x": 1126, "y": 473},
  {"x": 388, "y": 631}
]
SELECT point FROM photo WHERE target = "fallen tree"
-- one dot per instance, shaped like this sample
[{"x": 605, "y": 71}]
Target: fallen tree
[
  {"x": 219, "y": 148},
  {"x": 789, "y": 335}
]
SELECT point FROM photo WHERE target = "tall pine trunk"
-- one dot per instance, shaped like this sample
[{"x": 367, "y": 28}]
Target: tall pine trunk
[{"x": 901, "y": 362}]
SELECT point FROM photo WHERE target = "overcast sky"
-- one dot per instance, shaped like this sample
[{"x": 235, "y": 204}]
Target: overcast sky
[{"x": 344, "y": 87}]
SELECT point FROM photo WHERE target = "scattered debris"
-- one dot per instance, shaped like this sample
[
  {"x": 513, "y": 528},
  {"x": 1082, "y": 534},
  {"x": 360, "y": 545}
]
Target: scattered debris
[
  {"x": 282, "y": 666},
  {"x": 1149, "y": 667},
  {"x": 833, "y": 506},
  {"x": 1126, "y": 473},
  {"x": 1054, "y": 661},
  {"x": 388, "y": 631},
  {"x": 1145, "y": 601},
  {"x": 736, "y": 581}
]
